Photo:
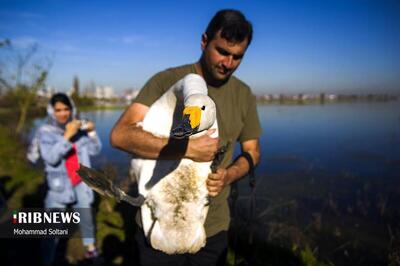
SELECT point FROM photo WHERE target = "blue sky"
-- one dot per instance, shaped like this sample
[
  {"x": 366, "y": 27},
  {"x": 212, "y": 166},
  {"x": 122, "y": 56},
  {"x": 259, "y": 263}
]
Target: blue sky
[{"x": 298, "y": 46}]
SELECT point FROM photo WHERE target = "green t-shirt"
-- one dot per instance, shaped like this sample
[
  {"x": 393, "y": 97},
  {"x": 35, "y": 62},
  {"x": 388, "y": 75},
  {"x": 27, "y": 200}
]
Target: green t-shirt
[{"x": 237, "y": 121}]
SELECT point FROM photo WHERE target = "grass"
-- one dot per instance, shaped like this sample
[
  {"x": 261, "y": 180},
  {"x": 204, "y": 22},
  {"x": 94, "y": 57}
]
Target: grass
[{"x": 18, "y": 178}]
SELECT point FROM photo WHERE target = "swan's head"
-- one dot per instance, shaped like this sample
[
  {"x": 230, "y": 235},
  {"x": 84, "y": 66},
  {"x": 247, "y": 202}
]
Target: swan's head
[{"x": 198, "y": 115}]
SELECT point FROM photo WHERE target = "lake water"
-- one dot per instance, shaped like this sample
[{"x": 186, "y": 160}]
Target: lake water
[
  {"x": 357, "y": 138},
  {"x": 330, "y": 173},
  {"x": 361, "y": 138}
]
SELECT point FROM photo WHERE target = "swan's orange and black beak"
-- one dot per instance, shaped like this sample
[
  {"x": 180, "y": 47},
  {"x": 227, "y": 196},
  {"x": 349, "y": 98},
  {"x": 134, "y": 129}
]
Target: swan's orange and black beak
[{"x": 190, "y": 123}]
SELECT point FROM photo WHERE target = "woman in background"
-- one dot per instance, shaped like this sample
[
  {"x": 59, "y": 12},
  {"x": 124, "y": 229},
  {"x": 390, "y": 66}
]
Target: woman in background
[{"x": 64, "y": 142}]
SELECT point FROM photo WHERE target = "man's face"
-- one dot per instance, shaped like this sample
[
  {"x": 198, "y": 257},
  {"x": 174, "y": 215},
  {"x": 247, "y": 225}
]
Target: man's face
[{"x": 221, "y": 57}]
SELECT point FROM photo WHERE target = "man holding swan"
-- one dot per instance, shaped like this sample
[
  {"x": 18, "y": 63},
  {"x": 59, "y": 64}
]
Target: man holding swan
[{"x": 223, "y": 45}]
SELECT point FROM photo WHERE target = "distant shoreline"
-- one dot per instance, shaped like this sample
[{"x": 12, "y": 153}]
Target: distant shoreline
[
  {"x": 305, "y": 99},
  {"x": 261, "y": 100},
  {"x": 102, "y": 107}
]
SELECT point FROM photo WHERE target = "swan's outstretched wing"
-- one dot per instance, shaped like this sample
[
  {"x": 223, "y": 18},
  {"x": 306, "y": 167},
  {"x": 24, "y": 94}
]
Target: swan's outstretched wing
[{"x": 103, "y": 185}]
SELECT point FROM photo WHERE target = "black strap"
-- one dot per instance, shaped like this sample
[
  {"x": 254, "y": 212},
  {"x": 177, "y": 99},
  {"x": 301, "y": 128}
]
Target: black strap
[
  {"x": 249, "y": 159},
  {"x": 252, "y": 203}
]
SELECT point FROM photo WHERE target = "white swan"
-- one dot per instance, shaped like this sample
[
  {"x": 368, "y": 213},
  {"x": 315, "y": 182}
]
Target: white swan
[{"x": 176, "y": 202}]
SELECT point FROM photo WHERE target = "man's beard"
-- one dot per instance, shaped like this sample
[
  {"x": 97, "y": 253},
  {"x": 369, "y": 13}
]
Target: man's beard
[{"x": 213, "y": 75}]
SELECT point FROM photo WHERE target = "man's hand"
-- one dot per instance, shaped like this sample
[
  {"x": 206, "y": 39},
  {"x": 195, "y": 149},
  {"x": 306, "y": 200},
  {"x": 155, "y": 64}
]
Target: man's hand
[
  {"x": 217, "y": 181},
  {"x": 202, "y": 149},
  {"x": 223, "y": 177},
  {"x": 127, "y": 136}
]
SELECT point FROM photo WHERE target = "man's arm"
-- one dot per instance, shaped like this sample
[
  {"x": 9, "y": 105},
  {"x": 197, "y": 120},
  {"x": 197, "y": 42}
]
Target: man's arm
[
  {"x": 128, "y": 136},
  {"x": 223, "y": 177}
]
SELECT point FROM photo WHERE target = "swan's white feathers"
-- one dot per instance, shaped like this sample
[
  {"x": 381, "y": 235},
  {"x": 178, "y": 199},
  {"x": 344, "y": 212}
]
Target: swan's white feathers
[{"x": 175, "y": 209}]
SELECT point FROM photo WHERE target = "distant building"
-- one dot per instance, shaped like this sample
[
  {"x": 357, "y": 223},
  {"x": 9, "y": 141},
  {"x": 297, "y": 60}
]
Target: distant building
[
  {"x": 332, "y": 97},
  {"x": 89, "y": 92},
  {"x": 70, "y": 91},
  {"x": 46, "y": 92},
  {"x": 104, "y": 92},
  {"x": 276, "y": 96},
  {"x": 267, "y": 97},
  {"x": 130, "y": 95}
]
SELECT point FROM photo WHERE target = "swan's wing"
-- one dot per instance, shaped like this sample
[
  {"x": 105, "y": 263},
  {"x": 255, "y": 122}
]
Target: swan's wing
[{"x": 103, "y": 185}]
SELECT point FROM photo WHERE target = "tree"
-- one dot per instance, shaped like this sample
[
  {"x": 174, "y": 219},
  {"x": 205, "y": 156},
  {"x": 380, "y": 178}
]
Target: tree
[
  {"x": 75, "y": 86},
  {"x": 23, "y": 72}
]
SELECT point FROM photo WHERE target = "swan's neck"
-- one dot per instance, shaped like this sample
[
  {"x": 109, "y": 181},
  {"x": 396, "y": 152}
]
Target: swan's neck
[{"x": 193, "y": 84}]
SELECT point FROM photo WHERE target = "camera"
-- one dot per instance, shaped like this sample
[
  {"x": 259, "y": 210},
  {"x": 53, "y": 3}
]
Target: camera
[{"x": 84, "y": 124}]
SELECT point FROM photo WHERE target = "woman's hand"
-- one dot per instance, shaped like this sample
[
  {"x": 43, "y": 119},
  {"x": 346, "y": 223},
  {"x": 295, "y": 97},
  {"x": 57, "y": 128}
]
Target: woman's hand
[
  {"x": 71, "y": 129},
  {"x": 90, "y": 126}
]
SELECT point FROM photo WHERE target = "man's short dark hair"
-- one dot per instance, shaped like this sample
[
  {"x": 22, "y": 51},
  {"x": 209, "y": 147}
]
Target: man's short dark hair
[{"x": 233, "y": 25}]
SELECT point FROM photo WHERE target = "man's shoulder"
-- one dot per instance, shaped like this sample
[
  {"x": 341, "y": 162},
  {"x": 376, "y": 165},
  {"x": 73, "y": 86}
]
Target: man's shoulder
[
  {"x": 176, "y": 72},
  {"x": 158, "y": 84},
  {"x": 187, "y": 68}
]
